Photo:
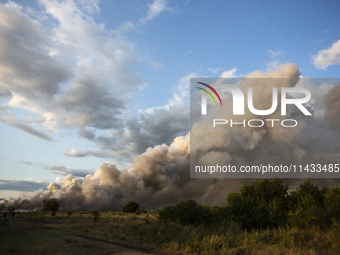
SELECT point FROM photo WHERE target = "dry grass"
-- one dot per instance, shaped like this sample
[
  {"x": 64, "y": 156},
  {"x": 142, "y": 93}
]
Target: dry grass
[{"x": 224, "y": 238}]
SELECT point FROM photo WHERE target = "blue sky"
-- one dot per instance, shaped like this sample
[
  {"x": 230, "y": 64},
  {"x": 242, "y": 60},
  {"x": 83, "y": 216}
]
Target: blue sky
[{"x": 88, "y": 82}]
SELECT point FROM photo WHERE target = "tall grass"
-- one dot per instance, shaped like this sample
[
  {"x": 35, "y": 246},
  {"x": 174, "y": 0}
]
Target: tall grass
[{"x": 218, "y": 238}]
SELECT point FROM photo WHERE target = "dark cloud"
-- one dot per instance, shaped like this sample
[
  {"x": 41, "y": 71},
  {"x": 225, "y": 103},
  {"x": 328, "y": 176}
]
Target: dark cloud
[
  {"x": 63, "y": 170},
  {"x": 32, "y": 131},
  {"x": 22, "y": 185}
]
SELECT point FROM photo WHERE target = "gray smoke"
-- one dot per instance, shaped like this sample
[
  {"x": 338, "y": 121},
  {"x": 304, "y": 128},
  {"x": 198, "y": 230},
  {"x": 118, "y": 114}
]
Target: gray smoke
[{"x": 160, "y": 176}]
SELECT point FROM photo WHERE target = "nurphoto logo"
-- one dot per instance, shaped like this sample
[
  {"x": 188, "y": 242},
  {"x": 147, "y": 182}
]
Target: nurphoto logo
[{"x": 239, "y": 103}]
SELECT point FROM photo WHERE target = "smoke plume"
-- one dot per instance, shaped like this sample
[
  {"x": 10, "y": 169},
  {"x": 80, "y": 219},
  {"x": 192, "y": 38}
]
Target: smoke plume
[{"x": 160, "y": 176}]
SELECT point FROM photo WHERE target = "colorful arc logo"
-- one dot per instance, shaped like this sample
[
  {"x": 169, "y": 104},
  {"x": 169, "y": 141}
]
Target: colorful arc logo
[
  {"x": 204, "y": 97},
  {"x": 213, "y": 90}
]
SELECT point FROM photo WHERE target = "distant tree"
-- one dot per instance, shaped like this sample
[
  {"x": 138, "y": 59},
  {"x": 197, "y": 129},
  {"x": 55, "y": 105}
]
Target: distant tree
[
  {"x": 332, "y": 202},
  {"x": 96, "y": 215},
  {"x": 186, "y": 213},
  {"x": 307, "y": 188},
  {"x": 51, "y": 205},
  {"x": 260, "y": 204},
  {"x": 130, "y": 207},
  {"x": 307, "y": 206},
  {"x": 11, "y": 209}
]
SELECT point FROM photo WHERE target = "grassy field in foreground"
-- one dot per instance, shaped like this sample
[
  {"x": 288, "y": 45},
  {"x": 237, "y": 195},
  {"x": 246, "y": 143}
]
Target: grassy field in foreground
[{"x": 77, "y": 233}]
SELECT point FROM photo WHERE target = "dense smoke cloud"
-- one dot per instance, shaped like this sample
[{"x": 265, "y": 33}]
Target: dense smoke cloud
[
  {"x": 160, "y": 176},
  {"x": 311, "y": 141}
]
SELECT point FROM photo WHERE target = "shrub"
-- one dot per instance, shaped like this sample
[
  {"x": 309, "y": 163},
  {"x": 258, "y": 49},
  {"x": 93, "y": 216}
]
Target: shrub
[
  {"x": 96, "y": 215},
  {"x": 11, "y": 209},
  {"x": 186, "y": 213},
  {"x": 307, "y": 206},
  {"x": 260, "y": 204},
  {"x": 332, "y": 202},
  {"x": 307, "y": 188},
  {"x": 51, "y": 205},
  {"x": 130, "y": 207},
  {"x": 305, "y": 213}
]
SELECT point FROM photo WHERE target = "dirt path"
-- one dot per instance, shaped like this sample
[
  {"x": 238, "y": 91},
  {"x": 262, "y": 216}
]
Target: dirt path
[{"x": 128, "y": 248}]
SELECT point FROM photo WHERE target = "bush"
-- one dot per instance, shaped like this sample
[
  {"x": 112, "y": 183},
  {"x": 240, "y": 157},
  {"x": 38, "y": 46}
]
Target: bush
[
  {"x": 130, "y": 207},
  {"x": 186, "y": 213},
  {"x": 332, "y": 202},
  {"x": 96, "y": 215},
  {"x": 305, "y": 213},
  {"x": 260, "y": 204},
  {"x": 307, "y": 188},
  {"x": 51, "y": 205},
  {"x": 307, "y": 206}
]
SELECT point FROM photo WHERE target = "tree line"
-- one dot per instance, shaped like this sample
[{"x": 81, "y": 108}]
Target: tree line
[{"x": 262, "y": 204}]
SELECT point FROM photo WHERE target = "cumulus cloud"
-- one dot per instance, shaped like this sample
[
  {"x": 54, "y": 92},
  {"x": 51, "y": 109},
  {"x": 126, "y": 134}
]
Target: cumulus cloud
[
  {"x": 329, "y": 57},
  {"x": 67, "y": 75},
  {"x": 229, "y": 73},
  {"x": 152, "y": 126}
]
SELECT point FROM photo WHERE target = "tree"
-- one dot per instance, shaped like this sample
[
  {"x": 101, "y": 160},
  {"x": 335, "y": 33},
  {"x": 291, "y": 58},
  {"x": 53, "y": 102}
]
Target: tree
[
  {"x": 96, "y": 215},
  {"x": 130, "y": 207},
  {"x": 307, "y": 188},
  {"x": 51, "y": 205},
  {"x": 332, "y": 202},
  {"x": 260, "y": 204},
  {"x": 307, "y": 206}
]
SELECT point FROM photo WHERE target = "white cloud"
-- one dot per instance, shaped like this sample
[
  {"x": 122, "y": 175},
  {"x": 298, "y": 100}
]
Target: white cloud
[
  {"x": 326, "y": 58},
  {"x": 157, "y": 7},
  {"x": 229, "y": 73},
  {"x": 69, "y": 73},
  {"x": 215, "y": 70},
  {"x": 275, "y": 53}
]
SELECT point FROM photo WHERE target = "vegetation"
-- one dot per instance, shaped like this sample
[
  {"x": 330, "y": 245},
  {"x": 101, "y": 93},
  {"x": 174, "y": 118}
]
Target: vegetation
[
  {"x": 95, "y": 215},
  {"x": 51, "y": 205},
  {"x": 131, "y": 207},
  {"x": 263, "y": 217}
]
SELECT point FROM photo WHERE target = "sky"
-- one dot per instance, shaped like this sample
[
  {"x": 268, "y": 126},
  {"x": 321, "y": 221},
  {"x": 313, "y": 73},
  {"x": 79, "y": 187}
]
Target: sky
[{"x": 89, "y": 83}]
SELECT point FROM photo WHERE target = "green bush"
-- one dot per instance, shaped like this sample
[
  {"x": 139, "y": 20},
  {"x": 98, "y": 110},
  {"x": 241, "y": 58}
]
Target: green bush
[
  {"x": 332, "y": 202},
  {"x": 130, "y": 207},
  {"x": 308, "y": 206},
  {"x": 186, "y": 213},
  {"x": 51, "y": 205},
  {"x": 304, "y": 215},
  {"x": 260, "y": 204},
  {"x": 96, "y": 215},
  {"x": 307, "y": 188}
]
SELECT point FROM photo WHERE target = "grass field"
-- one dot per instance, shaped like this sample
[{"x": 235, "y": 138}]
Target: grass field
[{"x": 118, "y": 233}]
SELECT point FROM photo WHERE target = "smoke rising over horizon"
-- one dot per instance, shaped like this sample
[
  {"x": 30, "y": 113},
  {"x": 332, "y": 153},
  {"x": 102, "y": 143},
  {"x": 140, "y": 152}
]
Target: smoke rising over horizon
[{"x": 160, "y": 176}]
